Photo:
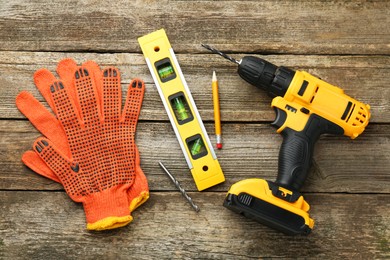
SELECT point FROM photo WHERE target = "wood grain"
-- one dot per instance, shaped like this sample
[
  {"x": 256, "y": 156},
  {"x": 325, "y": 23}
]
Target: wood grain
[
  {"x": 346, "y": 43},
  {"x": 37, "y": 225},
  {"x": 250, "y": 151},
  {"x": 361, "y": 77},
  {"x": 315, "y": 27}
]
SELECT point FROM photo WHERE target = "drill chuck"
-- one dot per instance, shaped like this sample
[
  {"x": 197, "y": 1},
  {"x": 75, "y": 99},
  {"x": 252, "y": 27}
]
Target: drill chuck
[{"x": 265, "y": 75}]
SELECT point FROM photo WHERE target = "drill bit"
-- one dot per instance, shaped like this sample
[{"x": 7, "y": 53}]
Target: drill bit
[
  {"x": 182, "y": 191},
  {"x": 220, "y": 53}
]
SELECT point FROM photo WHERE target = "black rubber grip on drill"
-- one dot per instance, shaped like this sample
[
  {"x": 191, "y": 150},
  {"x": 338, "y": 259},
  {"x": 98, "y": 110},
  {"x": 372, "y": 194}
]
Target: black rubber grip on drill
[{"x": 296, "y": 152}]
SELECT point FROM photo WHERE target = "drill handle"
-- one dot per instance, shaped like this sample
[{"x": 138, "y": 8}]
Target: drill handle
[
  {"x": 295, "y": 157},
  {"x": 297, "y": 149}
]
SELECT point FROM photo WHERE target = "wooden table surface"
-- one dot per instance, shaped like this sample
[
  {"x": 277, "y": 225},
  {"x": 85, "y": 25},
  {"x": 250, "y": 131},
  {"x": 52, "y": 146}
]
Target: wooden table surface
[{"x": 348, "y": 188}]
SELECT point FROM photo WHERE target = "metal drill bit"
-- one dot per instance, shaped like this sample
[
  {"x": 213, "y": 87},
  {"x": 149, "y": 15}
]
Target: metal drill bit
[
  {"x": 220, "y": 53},
  {"x": 177, "y": 184}
]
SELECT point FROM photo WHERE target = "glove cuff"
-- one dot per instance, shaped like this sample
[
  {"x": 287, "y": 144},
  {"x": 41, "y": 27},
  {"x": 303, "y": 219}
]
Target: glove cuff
[
  {"x": 139, "y": 192},
  {"x": 107, "y": 209}
]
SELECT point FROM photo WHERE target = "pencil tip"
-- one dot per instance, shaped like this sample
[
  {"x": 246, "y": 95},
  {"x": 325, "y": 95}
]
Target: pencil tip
[{"x": 214, "y": 76}]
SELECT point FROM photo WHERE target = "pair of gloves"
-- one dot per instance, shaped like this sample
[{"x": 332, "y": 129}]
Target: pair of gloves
[{"x": 88, "y": 146}]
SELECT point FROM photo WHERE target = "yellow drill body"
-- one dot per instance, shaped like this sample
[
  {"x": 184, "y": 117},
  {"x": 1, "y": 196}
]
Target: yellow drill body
[{"x": 308, "y": 94}]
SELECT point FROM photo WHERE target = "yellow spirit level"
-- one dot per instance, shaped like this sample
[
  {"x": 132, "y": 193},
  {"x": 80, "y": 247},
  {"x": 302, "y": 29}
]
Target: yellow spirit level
[{"x": 181, "y": 109}]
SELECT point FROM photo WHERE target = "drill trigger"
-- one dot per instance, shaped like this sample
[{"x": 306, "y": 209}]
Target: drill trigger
[{"x": 281, "y": 117}]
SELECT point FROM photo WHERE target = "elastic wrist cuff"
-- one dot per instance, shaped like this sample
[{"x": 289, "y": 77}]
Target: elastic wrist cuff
[{"x": 107, "y": 209}]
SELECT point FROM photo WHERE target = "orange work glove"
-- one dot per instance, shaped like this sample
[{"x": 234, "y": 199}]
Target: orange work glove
[
  {"x": 50, "y": 127},
  {"x": 101, "y": 167}
]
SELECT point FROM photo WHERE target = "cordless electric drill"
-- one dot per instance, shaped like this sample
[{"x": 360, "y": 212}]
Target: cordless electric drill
[{"x": 305, "y": 107}]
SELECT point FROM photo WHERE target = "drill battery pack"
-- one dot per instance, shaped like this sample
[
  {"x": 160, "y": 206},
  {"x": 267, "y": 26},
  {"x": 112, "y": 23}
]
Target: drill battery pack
[{"x": 271, "y": 205}]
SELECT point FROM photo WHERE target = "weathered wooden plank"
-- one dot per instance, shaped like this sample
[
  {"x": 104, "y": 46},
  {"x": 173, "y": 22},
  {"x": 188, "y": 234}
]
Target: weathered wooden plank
[
  {"x": 358, "y": 27},
  {"x": 362, "y": 77},
  {"x": 37, "y": 225},
  {"x": 250, "y": 151},
  {"x": 345, "y": 43}
]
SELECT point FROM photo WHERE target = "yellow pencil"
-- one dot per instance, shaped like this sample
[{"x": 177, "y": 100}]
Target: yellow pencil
[{"x": 217, "y": 113}]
